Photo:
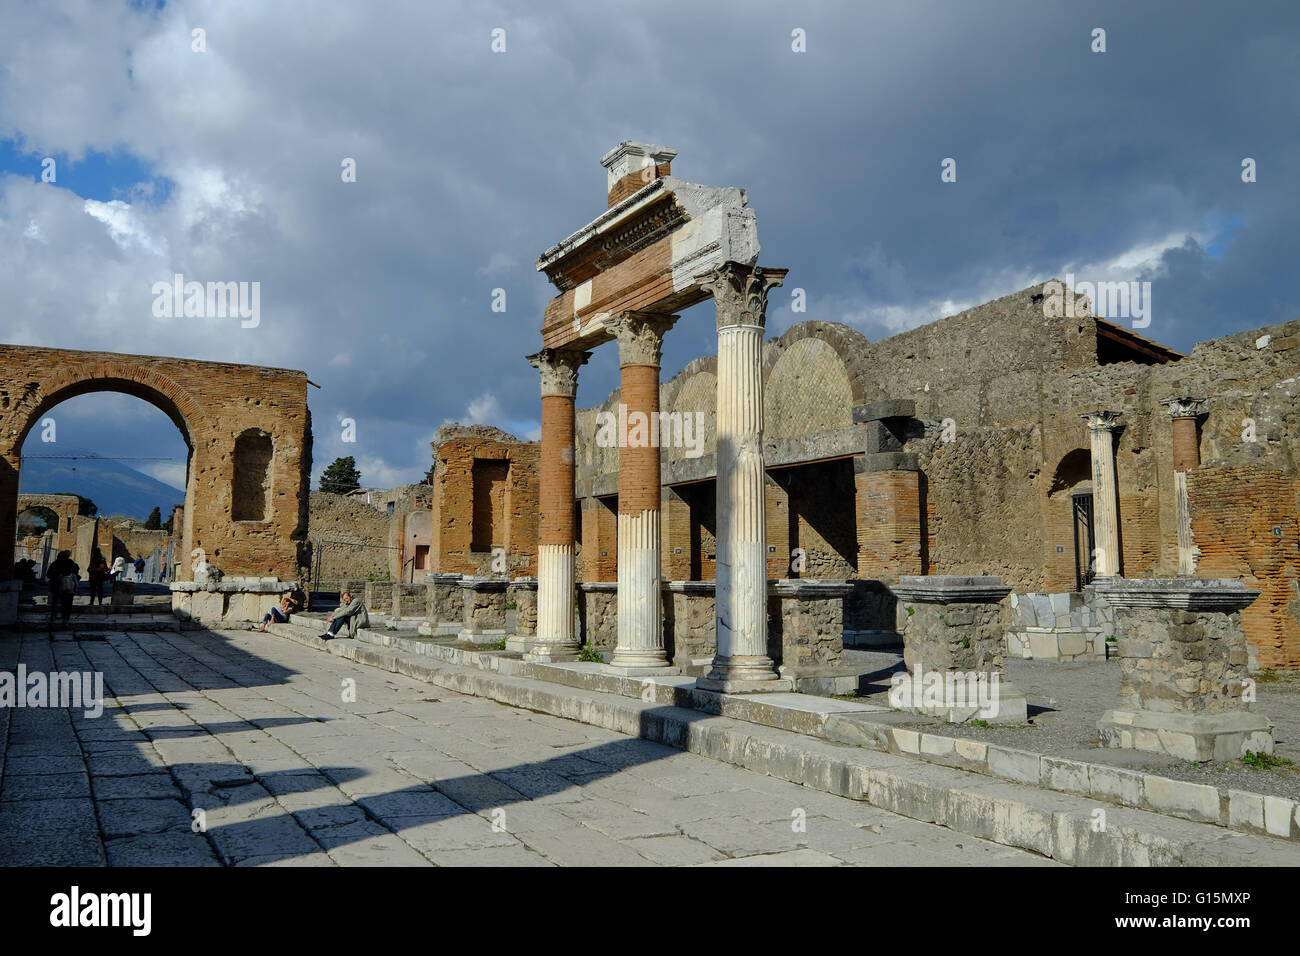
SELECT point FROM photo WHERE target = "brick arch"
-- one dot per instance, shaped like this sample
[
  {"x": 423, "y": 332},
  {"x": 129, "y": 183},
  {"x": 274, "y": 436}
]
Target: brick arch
[
  {"x": 1072, "y": 470},
  {"x": 808, "y": 390},
  {"x": 142, "y": 382},
  {"x": 848, "y": 344}
]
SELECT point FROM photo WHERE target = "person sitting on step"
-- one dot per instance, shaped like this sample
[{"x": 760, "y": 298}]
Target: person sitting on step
[
  {"x": 350, "y": 615},
  {"x": 280, "y": 615}
]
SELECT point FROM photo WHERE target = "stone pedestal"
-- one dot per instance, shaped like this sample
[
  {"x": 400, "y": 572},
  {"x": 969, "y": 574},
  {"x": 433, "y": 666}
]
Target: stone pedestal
[
  {"x": 598, "y": 613},
  {"x": 379, "y": 597},
  {"x": 446, "y": 609},
  {"x": 1183, "y": 659},
  {"x": 484, "y": 600},
  {"x": 806, "y": 623},
  {"x": 123, "y": 594},
  {"x": 1059, "y": 626},
  {"x": 410, "y": 601},
  {"x": 952, "y": 646},
  {"x": 523, "y": 592},
  {"x": 689, "y": 617}
]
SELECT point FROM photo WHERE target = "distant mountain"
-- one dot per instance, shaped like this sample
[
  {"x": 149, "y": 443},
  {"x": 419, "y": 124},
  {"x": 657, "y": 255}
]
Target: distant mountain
[{"x": 115, "y": 488}]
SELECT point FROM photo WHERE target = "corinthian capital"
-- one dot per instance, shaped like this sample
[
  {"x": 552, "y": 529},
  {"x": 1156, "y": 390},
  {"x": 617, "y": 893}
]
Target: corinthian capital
[
  {"x": 1184, "y": 407},
  {"x": 559, "y": 368},
  {"x": 640, "y": 336},
  {"x": 740, "y": 292},
  {"x": 1101, "y": 421}
]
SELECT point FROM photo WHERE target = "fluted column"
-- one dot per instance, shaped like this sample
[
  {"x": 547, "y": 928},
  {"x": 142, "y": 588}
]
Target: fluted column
[
  {"x": 640, "y": 629},
  {"x": 742, "y": 663},
  {"x": 555, "y": 640},
  {"x": 1105, "y": 491},
  {"x": 1187, "y": 456}
]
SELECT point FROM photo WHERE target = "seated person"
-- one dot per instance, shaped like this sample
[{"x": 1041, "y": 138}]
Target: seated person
[
  {"x": 278, "y": 614},
  {"x": 345, "y": 621}
]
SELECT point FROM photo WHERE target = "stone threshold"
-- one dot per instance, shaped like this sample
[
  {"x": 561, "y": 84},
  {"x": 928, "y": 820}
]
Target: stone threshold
[{"x": 991, "y": 805}]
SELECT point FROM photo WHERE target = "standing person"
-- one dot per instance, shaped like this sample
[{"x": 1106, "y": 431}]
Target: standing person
[
  {"x": 139, "y": 569},
  {"x": 62, "y": 575},
  {"x": 98, "y": 572},
  {"x": 350, "y": 616},
  {"x": 119, "y": 567}
]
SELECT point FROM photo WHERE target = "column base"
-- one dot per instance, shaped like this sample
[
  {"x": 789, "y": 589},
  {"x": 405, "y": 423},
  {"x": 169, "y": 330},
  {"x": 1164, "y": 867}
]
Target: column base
[
  {"x": 626, "y": 661},
  {"x": 744, "y": 675},
  {"x": 640, "y": 670},
  {"x": 1193, "y": 737}
]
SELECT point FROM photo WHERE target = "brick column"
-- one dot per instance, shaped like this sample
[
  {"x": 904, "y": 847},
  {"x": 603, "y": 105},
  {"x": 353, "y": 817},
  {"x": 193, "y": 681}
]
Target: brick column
[
  {"x": 1105, "y": 491},
  {"x": 742, "y": 663},
  {"x": 640, "y": 606},
  {"x": 1187, "y": 457},
  {"x": 555, "y": 640}
]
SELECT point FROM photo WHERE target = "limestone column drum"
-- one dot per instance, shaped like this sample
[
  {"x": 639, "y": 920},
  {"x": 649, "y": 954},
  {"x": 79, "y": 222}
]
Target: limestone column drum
[
  {"x": 742, "y": 663},
  {"x": 1105, "y": 491},
  {"x": 640, "y": 629},
  {"x": 555, "y": 639}
]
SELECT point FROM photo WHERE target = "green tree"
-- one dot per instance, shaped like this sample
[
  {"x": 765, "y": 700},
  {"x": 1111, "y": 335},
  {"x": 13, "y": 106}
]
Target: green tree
[
  {"x": 154, "y": 521},
  {"x": 84, "y": 505},
  {"x": 341, "y": 476}
]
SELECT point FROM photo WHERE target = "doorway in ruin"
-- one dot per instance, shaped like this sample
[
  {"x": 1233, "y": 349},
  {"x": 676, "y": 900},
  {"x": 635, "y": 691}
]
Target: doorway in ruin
[{"x": 1068, "y": 511}]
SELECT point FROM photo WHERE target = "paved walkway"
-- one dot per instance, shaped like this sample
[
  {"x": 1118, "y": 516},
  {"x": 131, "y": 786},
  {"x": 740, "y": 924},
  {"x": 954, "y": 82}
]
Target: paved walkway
[{"x": 257, "y": 733}]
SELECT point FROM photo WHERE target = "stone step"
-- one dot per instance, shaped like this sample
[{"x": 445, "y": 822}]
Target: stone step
[{"x": 1065, "y": 827}]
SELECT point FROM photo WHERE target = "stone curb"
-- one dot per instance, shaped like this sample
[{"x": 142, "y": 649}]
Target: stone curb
[{"x": 1060, "y": 825}]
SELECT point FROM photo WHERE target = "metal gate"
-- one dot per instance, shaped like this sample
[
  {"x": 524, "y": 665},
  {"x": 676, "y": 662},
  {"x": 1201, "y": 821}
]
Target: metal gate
[{"x": 1084, "y": 542}]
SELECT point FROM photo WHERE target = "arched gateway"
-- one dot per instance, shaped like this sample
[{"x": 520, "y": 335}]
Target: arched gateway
[{"x": 245, "y": 498}]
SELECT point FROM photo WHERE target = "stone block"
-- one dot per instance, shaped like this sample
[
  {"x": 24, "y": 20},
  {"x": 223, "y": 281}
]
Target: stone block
[
  {"x": 1115, "y": 783},
  {"x": 1061, "y": 774},
  {"x": 1245, "y": 810},
  {"x": 1195, "y": 801},
  {"x": 1014, "y": 764},
  {"x": 1277, "y": 816}
]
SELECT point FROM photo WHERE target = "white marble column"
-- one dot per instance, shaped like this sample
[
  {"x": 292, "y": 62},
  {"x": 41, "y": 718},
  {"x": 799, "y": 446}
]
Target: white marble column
[
  {"x": 555, "y": 639},
  {"x": 1183, "y": 412},
  {"x": 742, "y": 663},
  {"x": 640, "y": 604},
  {"x": 1105, "y": 492}
]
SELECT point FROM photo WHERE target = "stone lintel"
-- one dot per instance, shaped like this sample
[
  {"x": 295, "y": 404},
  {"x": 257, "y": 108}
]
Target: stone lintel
[
  {"x": 610, "y": 587},
  {"x": 809, "y": 588},
  {"x": 886, "y": 461},
  {"x": 883, "y": 410},
  {"x": 691, "y": 587},
  {"x": 525, "y": 584},
  {"x": 483, "y": 583},
  {"x": 1193, "y": 594},
  {"x": 951, "y": 589},
  {"x": 446, "y": 577}
]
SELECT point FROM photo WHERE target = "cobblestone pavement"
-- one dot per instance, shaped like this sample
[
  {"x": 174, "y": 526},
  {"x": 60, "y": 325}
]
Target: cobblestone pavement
[{"x": 256, "y": 732}]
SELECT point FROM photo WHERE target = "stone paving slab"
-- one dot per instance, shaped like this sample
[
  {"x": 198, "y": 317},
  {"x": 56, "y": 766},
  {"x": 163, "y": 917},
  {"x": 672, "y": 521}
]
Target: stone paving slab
[{"x": 254, "y": 732}]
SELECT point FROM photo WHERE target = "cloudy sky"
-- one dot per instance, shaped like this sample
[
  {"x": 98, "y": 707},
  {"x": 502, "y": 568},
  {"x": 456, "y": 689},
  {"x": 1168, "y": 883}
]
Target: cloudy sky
[{"x": 224, "y": 164}]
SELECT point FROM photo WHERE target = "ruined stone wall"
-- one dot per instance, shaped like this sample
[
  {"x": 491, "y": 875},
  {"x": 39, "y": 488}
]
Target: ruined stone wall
[
  {"x": 457, "y": 452},
  {"x": 352, "y": 536}
]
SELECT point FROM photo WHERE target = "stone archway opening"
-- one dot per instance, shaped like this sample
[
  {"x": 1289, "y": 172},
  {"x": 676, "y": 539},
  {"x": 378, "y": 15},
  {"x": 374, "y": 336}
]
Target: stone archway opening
[{"x": 247, "y": 433}]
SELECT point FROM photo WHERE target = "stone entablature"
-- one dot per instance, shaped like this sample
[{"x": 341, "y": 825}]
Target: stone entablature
[{"x": 231, "y": 600}]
